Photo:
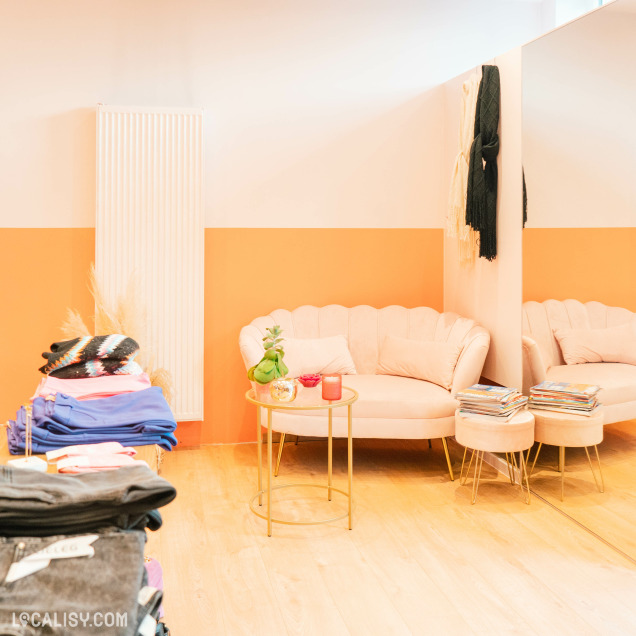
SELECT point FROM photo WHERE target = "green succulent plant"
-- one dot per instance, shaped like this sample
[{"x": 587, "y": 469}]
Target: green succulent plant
[{"x": 271, "y": 365}]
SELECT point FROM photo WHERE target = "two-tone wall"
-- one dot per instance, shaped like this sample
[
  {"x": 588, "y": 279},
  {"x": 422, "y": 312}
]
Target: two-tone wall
[
  {"x": 324, "y": 175},
  {"x": 579, "y": 159}
]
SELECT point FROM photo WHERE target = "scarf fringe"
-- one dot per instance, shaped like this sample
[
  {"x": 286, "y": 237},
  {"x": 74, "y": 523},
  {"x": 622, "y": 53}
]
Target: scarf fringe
[{"x": 488, "y": 243}]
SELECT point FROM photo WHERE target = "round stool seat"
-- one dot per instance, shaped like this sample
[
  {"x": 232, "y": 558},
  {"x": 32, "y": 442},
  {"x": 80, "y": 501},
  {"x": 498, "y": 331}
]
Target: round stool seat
[
  {"x": 517, "y": 434},
  {"x": 567, "y": 429}
]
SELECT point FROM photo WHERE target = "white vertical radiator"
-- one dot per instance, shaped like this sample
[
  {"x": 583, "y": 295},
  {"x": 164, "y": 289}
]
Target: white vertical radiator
[{"x": 149, "y": 226}]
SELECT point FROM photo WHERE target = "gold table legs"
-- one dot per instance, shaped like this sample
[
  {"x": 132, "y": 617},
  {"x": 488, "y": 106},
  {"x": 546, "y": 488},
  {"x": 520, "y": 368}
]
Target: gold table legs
[
  {"x": 329, "y": 486},
  {"x": 511, "y": 461},
  {"x": 329, "y": 453},
  {"x": 269, "y": 472},
  {"x": 281, "y": 444},
  {"x": 259, "y": 444},
  {"x": 349, "y": 462},
  {"x": 561, "y": 468}
]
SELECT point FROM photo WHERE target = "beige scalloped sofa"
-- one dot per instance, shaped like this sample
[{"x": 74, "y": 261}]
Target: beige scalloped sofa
[
  {"x": 389, "y": 406},
  {"x": 543, "y": 359}
]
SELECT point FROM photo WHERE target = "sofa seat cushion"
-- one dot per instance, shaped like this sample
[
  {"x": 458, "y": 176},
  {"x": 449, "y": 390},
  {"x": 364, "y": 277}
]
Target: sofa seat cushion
[
  {"x": 395, "y": 397},
  {"x": 617, "y": 380}
]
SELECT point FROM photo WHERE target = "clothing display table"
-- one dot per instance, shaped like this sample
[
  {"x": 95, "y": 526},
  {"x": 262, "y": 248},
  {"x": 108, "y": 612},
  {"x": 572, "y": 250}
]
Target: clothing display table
[
  {"x": 306, "y": 400},
  {"x": 567, "y": 429},
  {"x": 485, "y": 435}
]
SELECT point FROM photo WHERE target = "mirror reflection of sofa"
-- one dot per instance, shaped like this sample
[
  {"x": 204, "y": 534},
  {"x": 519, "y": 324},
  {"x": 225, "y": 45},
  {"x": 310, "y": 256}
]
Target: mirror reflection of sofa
[
  {"x": 557, "y": 332},
  {"x": 388, "y": 347}
]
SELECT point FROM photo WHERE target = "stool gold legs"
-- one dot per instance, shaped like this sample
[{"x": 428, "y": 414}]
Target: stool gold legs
[
  {"x": 511, "y": 461},
  {"x": 561, "y": 467},
  {"x": 448, "y": 461},
  {"x": 462, "y": 477},
  {"x": 477, "y": 476},
  {"x": 535, "y": 457},
  {"x": 509, "y": 464},
  {"x": 477, "y": 472},
  {"x": 523, "y": 472},
  {"x": 601, "y": 486}
]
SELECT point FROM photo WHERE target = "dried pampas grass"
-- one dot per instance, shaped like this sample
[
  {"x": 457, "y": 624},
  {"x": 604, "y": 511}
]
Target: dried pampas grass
[
  {"x": 127, "y": 316},
  {"x": 163, "y": 378},
  {"x": 74, "y": 326}
]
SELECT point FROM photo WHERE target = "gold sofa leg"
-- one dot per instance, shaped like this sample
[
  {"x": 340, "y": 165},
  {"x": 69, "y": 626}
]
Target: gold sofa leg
[
  {"x": 281, "y": 443},
  {"x": 448, "y": 461}
]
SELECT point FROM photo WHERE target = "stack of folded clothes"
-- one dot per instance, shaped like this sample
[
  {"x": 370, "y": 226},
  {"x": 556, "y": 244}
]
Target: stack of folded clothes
[
  {"x": 94, "y": 392},
  {"x": 71, "y": 552},
  {"x": 134, "y": 419}
]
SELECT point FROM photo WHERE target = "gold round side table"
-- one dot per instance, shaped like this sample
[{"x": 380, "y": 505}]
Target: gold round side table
[{"x": 307, "y": 400}]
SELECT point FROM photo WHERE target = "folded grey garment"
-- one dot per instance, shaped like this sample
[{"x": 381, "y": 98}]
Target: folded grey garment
[
  {"x": 42, "y": 504},
  {"x": 77, "y": 595}
]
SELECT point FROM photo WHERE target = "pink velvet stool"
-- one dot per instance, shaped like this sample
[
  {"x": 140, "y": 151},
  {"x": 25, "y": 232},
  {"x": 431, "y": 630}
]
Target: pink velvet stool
[
  {"x": 485, "y": 435},
  {"x": 567, "y": 429}
]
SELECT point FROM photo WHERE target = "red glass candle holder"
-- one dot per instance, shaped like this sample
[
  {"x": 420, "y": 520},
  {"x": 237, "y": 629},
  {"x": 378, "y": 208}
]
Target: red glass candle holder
[{"x": 332, "y": 386}]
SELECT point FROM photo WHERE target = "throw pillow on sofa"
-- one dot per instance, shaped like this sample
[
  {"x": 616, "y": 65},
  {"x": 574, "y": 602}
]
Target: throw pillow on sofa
[
  {"x": 318, "y": 355},
  {"x": 613, "y": 344},
  {"x": 424, "y": 360}
]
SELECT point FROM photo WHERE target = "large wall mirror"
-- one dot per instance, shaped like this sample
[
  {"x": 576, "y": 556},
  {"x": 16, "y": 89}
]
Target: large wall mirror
[{"x": 579, "y": 156}]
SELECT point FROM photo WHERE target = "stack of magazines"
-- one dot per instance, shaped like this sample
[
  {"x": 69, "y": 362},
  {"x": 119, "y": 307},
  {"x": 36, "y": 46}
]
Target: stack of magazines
[
  {"x": 497, "y": 403},
  {"x": 565, "y": 397}
]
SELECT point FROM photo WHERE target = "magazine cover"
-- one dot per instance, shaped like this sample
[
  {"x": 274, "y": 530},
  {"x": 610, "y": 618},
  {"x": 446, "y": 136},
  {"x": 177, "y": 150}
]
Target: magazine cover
[{"x": 566, "y": 387}]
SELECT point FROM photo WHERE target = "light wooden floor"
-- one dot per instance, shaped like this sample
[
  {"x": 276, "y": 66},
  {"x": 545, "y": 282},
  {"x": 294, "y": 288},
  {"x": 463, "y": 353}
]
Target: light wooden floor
[
  {"x": 419, "y": 560},
  {"x": 611, "y": 514}
]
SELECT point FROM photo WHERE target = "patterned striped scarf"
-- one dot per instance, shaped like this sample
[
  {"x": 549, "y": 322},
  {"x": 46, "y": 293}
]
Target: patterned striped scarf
[{"x": 89, "y": 357}]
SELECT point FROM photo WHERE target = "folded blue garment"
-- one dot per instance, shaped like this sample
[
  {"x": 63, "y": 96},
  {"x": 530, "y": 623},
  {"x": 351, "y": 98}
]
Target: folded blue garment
[
  {"x": 126, "y": 408},
  {"x": 18, "y": 448},
  {"x": 133, "y": 419}
]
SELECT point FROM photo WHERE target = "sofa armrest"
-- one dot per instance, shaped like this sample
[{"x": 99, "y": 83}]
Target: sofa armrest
[
  {"x": 534, "y": 369},
  {"x": 471, "y": 360}
]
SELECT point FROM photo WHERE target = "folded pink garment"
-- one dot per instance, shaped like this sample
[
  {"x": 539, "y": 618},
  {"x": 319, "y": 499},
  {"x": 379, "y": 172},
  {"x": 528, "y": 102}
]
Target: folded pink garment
[
  {"x": 104, "y": 448},
  {"x": 93, "y": 388},
  {"x": 96, "y": 463}
]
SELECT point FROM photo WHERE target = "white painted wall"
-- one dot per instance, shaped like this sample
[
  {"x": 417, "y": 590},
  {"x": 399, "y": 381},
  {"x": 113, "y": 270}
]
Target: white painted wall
[
  {"x": 579, "y": 108},
  {"x": 319, "y": 112},
  {"x": 490, "y": 291}
]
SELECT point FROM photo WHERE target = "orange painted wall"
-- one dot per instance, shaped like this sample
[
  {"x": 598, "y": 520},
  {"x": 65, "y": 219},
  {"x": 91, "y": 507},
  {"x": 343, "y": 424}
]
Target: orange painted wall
[
  {"x": 250, "y": 272},
  {"x": 45, "y": 271},
  {"x": 581, "y": 263}
]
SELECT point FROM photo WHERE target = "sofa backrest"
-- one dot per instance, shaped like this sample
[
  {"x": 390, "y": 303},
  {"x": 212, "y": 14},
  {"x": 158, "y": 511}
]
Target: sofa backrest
[
  {"x": 541, "y": 319},
  {"x": 364, "y": 327}
]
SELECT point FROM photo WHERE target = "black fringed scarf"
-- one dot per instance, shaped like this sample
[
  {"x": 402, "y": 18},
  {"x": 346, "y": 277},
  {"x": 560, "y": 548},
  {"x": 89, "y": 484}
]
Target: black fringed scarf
[{"x": 481, "y": 197}]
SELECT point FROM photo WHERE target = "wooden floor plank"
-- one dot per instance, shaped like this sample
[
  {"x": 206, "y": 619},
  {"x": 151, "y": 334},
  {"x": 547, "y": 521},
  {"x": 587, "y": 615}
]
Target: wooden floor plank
[{"x": 611, "y": 514}]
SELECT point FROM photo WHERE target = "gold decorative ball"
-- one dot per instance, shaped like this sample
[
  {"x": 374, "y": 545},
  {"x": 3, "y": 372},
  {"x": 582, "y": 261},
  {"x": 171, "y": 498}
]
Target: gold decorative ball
[{"x": 283, "y": 389}]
